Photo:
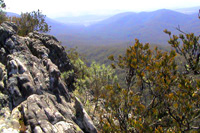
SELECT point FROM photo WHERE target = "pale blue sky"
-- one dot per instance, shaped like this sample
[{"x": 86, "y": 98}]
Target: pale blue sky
[{"x": 59, "y": 8}]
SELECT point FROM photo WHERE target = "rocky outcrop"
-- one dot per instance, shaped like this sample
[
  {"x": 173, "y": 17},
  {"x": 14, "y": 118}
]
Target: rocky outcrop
[{"x": 33, "y": 97}]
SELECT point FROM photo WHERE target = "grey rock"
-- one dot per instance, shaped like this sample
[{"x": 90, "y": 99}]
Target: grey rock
[
  {"x": 33, "y": 97},
  {"x": 83, "y": 119}
]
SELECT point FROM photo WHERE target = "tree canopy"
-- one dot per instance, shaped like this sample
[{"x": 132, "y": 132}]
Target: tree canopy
[
  {"x": 158, "y": 96},
  {"x": 2, "y": 13},
  {"x": 27, "y": 22},
  {"x": 2, "y": 4},
  {"x": 31, "y": 21}
]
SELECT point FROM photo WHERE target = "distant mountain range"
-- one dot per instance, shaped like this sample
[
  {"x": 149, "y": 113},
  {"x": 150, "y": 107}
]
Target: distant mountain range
[
  {"x": 146, "y": 26},
  {"x": 82, "y": 20},
  {"x": 191, "y": 10},
  {"x": 125, "y": 27}
]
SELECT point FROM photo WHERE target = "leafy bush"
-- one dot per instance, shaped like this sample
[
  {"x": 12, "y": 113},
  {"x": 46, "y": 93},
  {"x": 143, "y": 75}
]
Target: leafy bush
[
  {"x": 157, "y": 96},
  {"x": 90, "y": 81},
  {"x": 31, "y": 21},
  {"x": 2, "y": 13}
]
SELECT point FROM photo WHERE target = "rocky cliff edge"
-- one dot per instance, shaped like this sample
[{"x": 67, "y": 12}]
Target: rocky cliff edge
[{"x": 33, "y": 97}]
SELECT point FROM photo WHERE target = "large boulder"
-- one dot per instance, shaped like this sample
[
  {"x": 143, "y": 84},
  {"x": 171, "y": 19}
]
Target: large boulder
[{"x": 33, "y": 97}]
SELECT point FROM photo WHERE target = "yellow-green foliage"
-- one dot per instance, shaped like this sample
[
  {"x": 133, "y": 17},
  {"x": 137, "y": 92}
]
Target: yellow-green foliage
[
  {"x": 90, "y": 80},
  {"x": 157, "y": 96},
  {"x": 189, "y": 50}
]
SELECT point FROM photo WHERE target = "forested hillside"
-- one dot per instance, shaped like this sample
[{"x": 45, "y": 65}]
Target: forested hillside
[
  {"x": 132, "y": 72},
  {"x": 100, "y": 53}
]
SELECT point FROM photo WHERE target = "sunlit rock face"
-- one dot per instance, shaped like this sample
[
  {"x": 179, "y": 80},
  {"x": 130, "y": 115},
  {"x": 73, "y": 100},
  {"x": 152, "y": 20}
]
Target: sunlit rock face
[{"x": 33, "y": 97}]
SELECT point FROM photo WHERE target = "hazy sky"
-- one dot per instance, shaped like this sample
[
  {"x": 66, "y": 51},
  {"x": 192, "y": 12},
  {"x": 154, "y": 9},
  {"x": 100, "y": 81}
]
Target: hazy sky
[{"x": 58, "y": 8}]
